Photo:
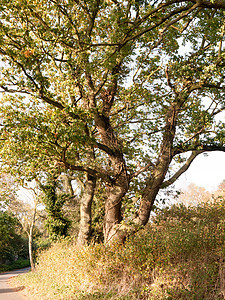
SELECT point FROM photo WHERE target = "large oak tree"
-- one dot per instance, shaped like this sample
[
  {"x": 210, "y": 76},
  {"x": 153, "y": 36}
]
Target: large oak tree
[{"x": 138, "y": 83}]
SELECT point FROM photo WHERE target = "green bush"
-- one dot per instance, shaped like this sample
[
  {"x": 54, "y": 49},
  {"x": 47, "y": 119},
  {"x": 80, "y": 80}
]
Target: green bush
[
  {"x": 19, "y": 264},
  {"x": 13, "y": 243}
]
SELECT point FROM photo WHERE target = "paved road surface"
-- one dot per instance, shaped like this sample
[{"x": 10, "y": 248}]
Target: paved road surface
[{"x": 6, "y": 291}]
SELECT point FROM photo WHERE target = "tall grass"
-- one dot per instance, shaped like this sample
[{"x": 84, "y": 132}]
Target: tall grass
[{"x": 180, "y": 256}]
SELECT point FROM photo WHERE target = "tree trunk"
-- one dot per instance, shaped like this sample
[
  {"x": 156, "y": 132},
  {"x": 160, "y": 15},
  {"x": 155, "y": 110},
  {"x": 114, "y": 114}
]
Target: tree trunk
[
  {"x": 120, "y": 180},
  {"x": 110, "y": 143},
  {"x": 30, "y": 239},
  {"x": 31, "y": 251},
  {"x": 85, "y": 211},
  {"x": 158, "y": 175},
  {"x": 148, "y": 198},
  {"x": 67, "y": 184},
  {"x": 113, "y": 215}
]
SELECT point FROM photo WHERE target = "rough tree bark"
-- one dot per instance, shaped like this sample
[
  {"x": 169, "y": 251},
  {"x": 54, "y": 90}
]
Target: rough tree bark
[
  {"x": 119, "y": 185},
  {"x": 113, "y": 215},
  {"x": 30, "y": 241},
  {"x": 158, "y": 175},
  {"x": 85, "y": 210}
]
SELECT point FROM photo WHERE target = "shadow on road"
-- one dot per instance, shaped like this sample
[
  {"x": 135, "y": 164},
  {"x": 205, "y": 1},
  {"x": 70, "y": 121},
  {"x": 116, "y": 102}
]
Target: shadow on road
[
  {"x": 18, "y": 271},
  {"x": 13, "y": 290},
  {"x": 8, "y": 292}
]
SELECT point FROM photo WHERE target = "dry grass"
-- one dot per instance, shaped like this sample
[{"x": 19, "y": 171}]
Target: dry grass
[
  {"x": 222, "y": 277},
  {"x": 181, "y": 256}
]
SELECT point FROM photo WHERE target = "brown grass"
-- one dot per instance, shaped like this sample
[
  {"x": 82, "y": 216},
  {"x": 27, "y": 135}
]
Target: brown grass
[{"x": 180, "y": 256}]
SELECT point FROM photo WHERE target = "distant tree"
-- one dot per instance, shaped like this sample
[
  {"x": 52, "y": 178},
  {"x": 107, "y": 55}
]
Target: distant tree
[
  {"x": 13, "y": 245},
  {"x": 219, "y": 194},
  {"x": 221, "y": 186},
  {"x": 25, "y": 211},
  {"x": 27, "y": 214},
  {"x": 7, "y": 190},
  {"x": 195, "y": 195}
]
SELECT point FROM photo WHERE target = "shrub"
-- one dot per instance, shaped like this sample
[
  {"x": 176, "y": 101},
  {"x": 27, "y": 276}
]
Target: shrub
[
  {"x": 13, "y": 243},
  {"x": 179, "y": 256},
  {"x": 19, "y": 264}
]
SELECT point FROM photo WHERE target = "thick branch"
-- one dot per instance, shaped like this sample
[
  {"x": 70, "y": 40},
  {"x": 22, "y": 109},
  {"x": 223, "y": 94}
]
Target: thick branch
[
  {"x": 143, "y": 169},
  {"x": 199, "y": 147},
  {"x": 13, "y": 91},
  {"x": 181, "y": 170},
  {"x": 88, "y": 170},
  {"x": 210, "y": 3},
  {"x": 104, "y": 148}
]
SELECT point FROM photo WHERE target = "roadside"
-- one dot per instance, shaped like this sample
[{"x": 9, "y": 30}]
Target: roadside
[
  {"x": 8, "y": 292},
  {"x": 16, "y": 265}
]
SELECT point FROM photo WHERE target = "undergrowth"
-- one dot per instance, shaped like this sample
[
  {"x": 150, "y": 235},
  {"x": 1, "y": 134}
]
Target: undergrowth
[
  {"x": 181, "y": 255},
  {"x": 19, "y": 264}
]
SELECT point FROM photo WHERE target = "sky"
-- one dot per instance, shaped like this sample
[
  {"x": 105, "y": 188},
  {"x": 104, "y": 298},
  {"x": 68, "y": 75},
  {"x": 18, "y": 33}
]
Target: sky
[{"x": 205, "y": 171}]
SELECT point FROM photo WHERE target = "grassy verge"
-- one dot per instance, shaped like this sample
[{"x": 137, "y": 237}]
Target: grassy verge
[
  {"x": 19, "y": 264},
  {"x": 180, "y": 256}
]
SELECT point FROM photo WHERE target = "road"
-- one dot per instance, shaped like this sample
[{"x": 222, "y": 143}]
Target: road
[{"x": 11, "y": 293}]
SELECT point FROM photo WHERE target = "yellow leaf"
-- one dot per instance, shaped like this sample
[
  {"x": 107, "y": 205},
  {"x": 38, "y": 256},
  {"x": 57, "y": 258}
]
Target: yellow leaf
[{"x": 29, "y": 53}]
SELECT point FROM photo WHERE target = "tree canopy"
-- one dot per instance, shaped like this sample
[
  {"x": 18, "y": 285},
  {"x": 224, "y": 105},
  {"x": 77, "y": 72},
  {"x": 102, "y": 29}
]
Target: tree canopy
[{"x": 117, "y": 90}]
